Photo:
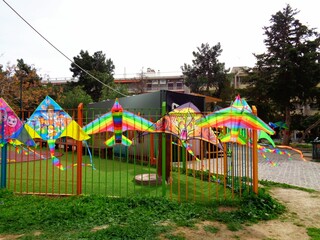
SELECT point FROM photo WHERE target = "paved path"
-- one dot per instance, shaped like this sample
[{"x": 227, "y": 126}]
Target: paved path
[{"x": 295, "y": 172}]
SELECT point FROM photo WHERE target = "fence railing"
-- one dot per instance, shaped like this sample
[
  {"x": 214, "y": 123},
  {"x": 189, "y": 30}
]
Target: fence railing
[{"x": 156, "y": 164}]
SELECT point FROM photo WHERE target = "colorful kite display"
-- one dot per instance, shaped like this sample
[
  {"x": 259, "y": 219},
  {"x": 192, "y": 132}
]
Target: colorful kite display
[
  {"x": 11, "y": 127},
  {"x": 50, "y": 122},
  {"x": 236, "y": 117},
  {"x": 181, "y": 123},
  {"x": 118, "y": 121}
]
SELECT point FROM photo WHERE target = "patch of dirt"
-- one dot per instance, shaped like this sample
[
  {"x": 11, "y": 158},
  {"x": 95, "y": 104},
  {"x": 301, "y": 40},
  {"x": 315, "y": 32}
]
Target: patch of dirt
[
  {"x": 303, "y": 211},
  {"x": 13, "y": 237},
  {"x": 10, "y": 237}
]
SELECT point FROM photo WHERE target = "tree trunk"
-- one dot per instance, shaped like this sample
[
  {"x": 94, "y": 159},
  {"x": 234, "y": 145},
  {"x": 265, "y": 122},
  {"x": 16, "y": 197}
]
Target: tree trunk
[{"x": 287, "y": 132}]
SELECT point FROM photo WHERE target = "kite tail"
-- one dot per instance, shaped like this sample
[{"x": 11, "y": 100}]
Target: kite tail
[
  {"x": 188, "y": 148},
  {"x": 90, "y": 155},
  {"x": 294, "y": 149},
  {"x": 56, "y": 162}
]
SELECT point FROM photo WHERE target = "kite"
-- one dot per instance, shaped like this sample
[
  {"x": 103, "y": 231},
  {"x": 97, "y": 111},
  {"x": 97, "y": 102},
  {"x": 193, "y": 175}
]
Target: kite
[
  {"x": 263, "y": 135},
  {"x": 118, "y": 121},
  {"x": 12, "y": 129},
  {"x": 180, "y": 122},
  {"x": 236, "y": 117},
  {"x": 50, "y": 122},
  {"x": 281, "y": 125}
]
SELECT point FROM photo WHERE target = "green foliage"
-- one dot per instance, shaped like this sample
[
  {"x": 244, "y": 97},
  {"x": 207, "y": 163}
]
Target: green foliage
[
  {"x": 288, "y": 72},
  {"x": 269, "y": 184},
  {"x": 97, "y": 66},
  {"x": 234, "y": 226},
  {"x": 211, "y": 229},
  {"x": 119, "y": 218},
  {"x": 252, "y": 208},
  {"x": 73, "y": 97},
  {"x": 314, "y": 233},
  {"x": 260, "y": 207},
  {"x": 22, "y": 82},
  {"x": 206, "y": 72},
  {"x": 116, "y": 91},
  {"x": 179, "y": 236}
]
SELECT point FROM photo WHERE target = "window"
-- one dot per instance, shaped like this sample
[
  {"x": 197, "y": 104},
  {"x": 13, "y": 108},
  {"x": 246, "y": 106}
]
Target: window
[
  {"x": 170, "y": 85},
  {"x": 163, "y": 82},
  {"x": 179, "y": 85}
]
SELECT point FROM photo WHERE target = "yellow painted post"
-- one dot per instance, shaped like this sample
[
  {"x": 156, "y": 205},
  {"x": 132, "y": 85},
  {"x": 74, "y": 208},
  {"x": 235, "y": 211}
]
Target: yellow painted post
[{"x": 255, "y": 155}]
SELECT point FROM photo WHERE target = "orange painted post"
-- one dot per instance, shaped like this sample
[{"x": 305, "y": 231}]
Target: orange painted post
[
  {"x": 79, "y": 152},
  {"x": 152, "y": 158},
  {"x": 255, "y": 156}
]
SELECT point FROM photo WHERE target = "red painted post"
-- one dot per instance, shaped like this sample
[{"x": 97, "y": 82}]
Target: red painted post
[{"x": 79, "y": 152}]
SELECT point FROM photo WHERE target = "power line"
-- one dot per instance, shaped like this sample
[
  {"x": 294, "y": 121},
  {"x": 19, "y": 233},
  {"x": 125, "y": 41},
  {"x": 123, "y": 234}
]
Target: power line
[{"x": 61, "y": 51}]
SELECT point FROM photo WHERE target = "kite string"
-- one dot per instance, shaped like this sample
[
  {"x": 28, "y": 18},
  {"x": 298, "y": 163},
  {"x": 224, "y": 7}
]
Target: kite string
[{"x": 64, "y": 55}]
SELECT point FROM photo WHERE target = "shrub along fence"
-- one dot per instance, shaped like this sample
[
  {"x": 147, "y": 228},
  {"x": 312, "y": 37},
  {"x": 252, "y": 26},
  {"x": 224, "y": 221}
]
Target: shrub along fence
[{"x": 156, "y": 164}]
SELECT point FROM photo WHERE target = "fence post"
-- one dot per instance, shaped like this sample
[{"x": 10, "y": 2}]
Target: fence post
[
  {"x": 3, "y": 166},
  {"x": 255, "y": 155},
  {"x": 79, "y": 152},
  {"x": 163, "y": 151}
]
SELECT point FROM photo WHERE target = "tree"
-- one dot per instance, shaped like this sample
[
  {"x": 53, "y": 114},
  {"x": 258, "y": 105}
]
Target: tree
[
  {"x": 117, "y": 91},
  {"x": 75, "y": 96},
  {"x": 141, "y": 85},
  {"x": 6, "y": 85},
  {"x": 206, "y": 72},
  {"x": 21, "y": 86},
  {"x": 288, "y": 72},
  {"x": 98, "y": 66},
  {"x": 27, "y": 79}
]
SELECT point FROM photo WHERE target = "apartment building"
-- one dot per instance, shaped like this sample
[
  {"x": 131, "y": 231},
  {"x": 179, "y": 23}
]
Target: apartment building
[
  {"x": 238, "y": 73},
  {"x": 143, "y": 82},
  {"x": 151, "y": 81}
]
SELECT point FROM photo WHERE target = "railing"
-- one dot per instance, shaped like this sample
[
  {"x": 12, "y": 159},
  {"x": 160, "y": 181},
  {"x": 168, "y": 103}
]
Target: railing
[{"x": 156, "y": 164}]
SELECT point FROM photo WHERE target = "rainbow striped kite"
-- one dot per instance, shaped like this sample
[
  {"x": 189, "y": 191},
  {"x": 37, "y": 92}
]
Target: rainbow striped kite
[
  {"x": 236, "y": 117},
  {"x": 118, "y": 121}
]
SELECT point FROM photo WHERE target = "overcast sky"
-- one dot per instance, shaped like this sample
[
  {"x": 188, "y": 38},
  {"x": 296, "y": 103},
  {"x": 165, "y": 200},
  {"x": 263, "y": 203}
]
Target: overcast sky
[{"x": 140, "y": 34}]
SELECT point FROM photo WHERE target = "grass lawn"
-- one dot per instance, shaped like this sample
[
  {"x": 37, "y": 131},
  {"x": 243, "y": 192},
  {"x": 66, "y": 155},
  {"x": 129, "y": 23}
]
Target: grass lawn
[
  {"x": 113, "y": 177},
  {"x": 99, "y": 217}
]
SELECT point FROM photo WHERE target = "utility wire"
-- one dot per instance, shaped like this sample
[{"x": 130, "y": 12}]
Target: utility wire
[{"x": 61, "y": 51}]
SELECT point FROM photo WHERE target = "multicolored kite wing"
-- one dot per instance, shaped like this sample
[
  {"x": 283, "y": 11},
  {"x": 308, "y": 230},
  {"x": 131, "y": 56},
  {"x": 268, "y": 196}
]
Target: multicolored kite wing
[{"x": 118, "y": 121}]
